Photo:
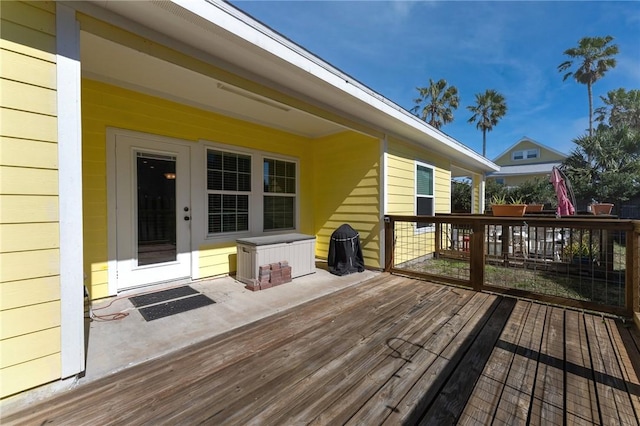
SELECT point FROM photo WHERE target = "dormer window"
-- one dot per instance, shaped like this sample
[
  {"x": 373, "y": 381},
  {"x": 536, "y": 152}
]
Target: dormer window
[{"x": 526, "y": 154}]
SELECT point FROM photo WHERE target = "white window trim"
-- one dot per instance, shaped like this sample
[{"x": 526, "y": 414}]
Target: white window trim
[
  {"x": 256, "y": 195},
  {"x": 416, "y": 195}
]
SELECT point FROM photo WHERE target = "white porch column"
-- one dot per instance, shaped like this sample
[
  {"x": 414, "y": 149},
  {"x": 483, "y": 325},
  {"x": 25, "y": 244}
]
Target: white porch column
[{"x": 70, "y": 191}]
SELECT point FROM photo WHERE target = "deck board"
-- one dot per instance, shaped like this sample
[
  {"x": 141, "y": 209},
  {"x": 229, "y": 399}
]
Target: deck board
[
  {"x": 483, "y": 403},
  {"x": 580, "y": 394},
  {"x": 391, "y": 350}
]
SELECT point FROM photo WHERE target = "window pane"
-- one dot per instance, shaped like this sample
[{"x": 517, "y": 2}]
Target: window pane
[
  {"x": 214, "y": 160},
  {"x": 244, "y": 164},
  {"x": 291, "y": 170},
  {"x": 424, "y": 206},
  {"x": 230, "y": 162},
  {"x": 215, "y": 203},
  {"x": 424, "y": 180},
  {"x": 243, "y": 222},
  {"x": 230, "y": 181},
  {"x": 228, "y": 223},
  {"x": 243, "y": 203},
  {"x": 229, "y": 204},
  {"x": 279, "y": 212},
  {"x": 215, "y": 223},
  {"x": 244, "y": 182},
  {"x": 214, "y": 180},
  {"x": 279, "y": 177},
  {"x": 291, "y": 186}
]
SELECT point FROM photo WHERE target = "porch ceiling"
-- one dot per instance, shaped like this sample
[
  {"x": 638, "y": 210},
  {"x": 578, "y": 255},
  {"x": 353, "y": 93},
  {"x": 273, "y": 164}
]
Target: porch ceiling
[
  {"x": 218, "y": 33},
  {"x": 106, "y": 61}
]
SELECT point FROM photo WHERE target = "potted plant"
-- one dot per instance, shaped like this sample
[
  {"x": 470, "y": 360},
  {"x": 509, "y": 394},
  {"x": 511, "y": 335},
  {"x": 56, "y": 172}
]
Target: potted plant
[
  {"x": 601, "y": 208},
  {"x": 534, "y": 208},
  {"x": 500, "y": 206}
]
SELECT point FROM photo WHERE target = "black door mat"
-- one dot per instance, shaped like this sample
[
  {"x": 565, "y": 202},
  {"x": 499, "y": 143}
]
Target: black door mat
[
  {"x": 173, "y": 307},
  {"x": 161, "y": 296}
]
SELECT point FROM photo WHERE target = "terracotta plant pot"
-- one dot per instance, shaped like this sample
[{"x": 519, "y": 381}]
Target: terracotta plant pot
[
  {"x": 534, "y": 208},
  {"x": 601, "y": 208},
  {"x": 508, "y": 209}
]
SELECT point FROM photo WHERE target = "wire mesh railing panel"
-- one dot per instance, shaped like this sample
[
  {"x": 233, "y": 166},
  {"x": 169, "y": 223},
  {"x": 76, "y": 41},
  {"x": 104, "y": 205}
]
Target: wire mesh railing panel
[
  {"x": 582, "y": 264},
  {"x": 440, "y": 250},
  {"x": 588, "y": 263}
]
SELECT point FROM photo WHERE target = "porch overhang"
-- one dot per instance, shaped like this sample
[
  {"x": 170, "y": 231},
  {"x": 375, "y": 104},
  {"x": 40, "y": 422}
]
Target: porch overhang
[{"x": 287, "y": 74}]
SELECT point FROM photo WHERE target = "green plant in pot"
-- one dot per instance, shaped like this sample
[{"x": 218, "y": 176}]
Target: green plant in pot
[{"x": 501, "y": 207}]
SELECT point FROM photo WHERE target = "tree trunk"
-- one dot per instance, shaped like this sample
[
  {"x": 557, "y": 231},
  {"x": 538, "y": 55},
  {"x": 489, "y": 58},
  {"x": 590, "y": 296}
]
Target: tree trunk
[
  {"x": 484, "y": 142},
  {"x": 590, "y": 109}
]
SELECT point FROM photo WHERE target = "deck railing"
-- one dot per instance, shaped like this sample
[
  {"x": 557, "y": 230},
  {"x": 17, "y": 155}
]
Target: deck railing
[{"x": 590, "y": 263}]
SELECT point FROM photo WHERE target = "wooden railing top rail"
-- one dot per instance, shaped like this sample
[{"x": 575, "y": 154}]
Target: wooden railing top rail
[{"x": 562, "y": 222}]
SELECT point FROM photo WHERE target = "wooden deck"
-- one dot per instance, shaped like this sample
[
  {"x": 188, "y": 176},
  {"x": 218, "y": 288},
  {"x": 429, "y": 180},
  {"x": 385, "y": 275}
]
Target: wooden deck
[{"x": 391, "y": 350}]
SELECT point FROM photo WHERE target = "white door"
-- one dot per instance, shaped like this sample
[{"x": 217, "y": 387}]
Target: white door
[{"x": 153, "y": 211}]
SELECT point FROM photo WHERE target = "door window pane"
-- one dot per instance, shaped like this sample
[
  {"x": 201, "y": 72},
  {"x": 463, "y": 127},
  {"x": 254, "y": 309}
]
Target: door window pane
[{"x": 156, "y": 208}]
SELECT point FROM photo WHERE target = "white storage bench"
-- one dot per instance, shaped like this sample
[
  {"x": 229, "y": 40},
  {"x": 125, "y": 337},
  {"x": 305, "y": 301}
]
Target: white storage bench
[{"x": 297, "y": 249}]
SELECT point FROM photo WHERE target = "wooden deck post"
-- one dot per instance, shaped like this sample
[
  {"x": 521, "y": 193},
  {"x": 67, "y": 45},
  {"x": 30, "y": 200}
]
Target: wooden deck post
[
  {"x": 388, "y": 243},
  {"x": 477, "y": 255}
]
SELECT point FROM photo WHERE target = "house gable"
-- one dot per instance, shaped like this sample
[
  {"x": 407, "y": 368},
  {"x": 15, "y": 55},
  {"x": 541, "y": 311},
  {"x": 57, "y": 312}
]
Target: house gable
[{"x": 528, "y": 151}]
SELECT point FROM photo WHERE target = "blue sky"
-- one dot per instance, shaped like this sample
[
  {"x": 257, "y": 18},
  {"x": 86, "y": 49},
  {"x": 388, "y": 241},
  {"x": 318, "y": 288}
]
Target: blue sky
[{"x": 513, "y": 47}]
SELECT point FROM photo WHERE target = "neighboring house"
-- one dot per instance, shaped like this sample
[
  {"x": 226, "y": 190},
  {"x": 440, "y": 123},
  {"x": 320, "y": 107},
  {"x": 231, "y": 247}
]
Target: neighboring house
[
  {"x": 141, "y": 139},
  {"x": 525, "y": 160}
]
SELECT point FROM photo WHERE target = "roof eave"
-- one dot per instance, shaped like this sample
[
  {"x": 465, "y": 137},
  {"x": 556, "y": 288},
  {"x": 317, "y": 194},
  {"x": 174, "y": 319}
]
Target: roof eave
[{"x": 365, "y": 105}]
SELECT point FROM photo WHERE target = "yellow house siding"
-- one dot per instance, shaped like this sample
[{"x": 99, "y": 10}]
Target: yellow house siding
[
  {"x": 29, "y": 230},
  {"x": 346, "y": 190},
  {"x": 217, "y": 259},
  {"x": 38, "y": 344},
  {"x": 412, "y": 243},
  {"x": 13, "y": 62},
  {"x": 16, "y": 237},
  {"x": 20, "y": 377},
  {"x": 518, "y": 180},
  {"x": 106, "y": 106},
  {"x": 27, "y": 153},
  {"x": 475, "y": 188},
  {"x": 28, "y": 208},
  {"x": 401, "y": 178},
  {"x": 14, "y": 294},
  {"x": 545, "y": 155}
]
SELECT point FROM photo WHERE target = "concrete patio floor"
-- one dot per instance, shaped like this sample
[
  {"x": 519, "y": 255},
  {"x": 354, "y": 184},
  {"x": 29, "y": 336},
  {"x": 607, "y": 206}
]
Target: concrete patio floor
[{"x": 116, "y": 344}]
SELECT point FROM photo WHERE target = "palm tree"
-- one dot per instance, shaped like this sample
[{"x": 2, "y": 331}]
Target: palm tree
[
  {"x": 595, "y": 57},
  {"x": 436, "y": 103},
  {"x": 490, "y": 107}
]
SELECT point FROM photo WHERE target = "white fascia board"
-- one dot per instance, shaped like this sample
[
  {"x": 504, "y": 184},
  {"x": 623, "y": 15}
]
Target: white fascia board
[{"x": 241, "y": 25}]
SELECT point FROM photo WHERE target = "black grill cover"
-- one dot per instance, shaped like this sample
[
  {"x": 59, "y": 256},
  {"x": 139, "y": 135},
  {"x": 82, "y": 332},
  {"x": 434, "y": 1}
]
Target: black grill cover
[{"x": 345, "y": 253}]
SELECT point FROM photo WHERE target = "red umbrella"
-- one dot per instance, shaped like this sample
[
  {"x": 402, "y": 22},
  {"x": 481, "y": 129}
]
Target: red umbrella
[{"x": 565, "y": 208}]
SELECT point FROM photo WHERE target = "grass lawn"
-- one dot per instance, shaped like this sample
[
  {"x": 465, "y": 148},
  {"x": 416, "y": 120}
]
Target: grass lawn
[{"x": 579, "y": 282}]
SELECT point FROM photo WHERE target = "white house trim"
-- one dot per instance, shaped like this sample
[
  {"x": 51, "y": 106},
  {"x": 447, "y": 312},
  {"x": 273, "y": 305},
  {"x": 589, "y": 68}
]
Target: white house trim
[
  {"x": 384, "y": 192},
  {"x": 70, "y": 191}
]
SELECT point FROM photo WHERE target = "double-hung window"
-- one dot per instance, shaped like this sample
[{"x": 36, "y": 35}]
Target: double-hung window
[
  {"x": 279, "y": 199},
  {"x": 425, "y": 201},
  {"x": 228, "y": 191},
  {"x": 237, "y": 200}
]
